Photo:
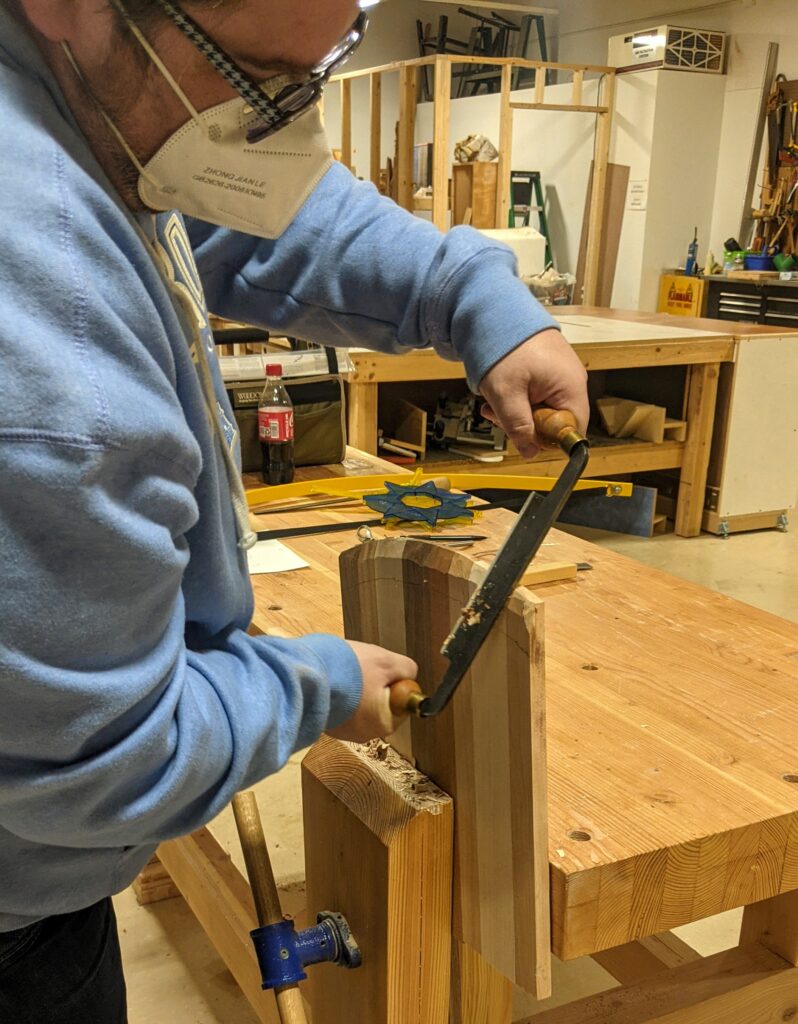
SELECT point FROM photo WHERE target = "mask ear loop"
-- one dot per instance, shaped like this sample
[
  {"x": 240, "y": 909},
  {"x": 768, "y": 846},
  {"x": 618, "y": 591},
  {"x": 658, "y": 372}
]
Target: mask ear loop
[
  {"x": 119, "y": 136},
  {"x": 142, "y": 40}
]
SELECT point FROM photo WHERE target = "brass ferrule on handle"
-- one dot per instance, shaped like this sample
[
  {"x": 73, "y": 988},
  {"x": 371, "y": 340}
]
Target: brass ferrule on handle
[
  {"x": 557, "y": 427},
  {"x": 406, "y": 698}
]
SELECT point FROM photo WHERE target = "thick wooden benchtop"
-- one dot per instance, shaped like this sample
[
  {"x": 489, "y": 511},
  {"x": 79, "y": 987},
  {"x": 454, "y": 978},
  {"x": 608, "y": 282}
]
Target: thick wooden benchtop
[{"x": 672, "y": 725}]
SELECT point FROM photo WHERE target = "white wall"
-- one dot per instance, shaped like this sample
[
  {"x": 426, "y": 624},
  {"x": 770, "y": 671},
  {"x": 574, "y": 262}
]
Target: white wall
[
  {"x": 667, "y": 130},
  {"x": 752, "y": 24}
]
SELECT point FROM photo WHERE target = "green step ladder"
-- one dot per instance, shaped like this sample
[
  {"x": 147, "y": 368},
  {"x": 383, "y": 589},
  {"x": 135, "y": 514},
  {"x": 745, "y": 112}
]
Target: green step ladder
[{"x": 522, "y": 186}]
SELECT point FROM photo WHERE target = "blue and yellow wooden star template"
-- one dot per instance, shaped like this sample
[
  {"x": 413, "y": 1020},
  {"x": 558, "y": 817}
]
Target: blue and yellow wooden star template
[{"x": 439, "y": 506}]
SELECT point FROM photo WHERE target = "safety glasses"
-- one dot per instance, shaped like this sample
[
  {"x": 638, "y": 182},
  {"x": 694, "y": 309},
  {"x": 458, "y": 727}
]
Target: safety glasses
[{"x": 291, "y": 102}]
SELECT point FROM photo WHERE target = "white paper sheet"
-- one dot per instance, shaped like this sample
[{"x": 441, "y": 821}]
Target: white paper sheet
[{"x": 272, "y": 556}]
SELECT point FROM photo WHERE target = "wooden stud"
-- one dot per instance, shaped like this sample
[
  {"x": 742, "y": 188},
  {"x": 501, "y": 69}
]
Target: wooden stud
[
  {"x": 598, "y": 195},
  {"x": 346, "y": 123},
  {"x": 497, "y": 62},
  {"x": 773, "y": 924},
  {"x": 378, "y": 849},
  {"x": 408, "y": 88},
  {"x": 440, "y": 147},
  {"x": 480, "y": 995},
  {"x": 375, "y": 119},
  {"x": 583, "y": 108},
  {"x": 701, "y": 399},
  {"x": 222, "y": 903},
  {"x": 540, "y": 85},
  {"x": 505, "y": 150},
  {"x": 487, "y": 748},
  {"x": 362, "y": 416},
  {"x": 576, "y": 94}
]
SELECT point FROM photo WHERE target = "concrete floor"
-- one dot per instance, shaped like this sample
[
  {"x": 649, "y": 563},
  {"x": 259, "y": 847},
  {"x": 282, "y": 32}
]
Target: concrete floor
[{"x": 173, "y": 973}]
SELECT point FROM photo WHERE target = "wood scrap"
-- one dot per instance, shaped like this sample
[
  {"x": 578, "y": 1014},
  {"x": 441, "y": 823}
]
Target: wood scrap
[{"x": 623, "y": 417}]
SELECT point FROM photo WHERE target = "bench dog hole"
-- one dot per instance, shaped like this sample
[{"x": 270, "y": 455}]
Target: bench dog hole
[{"x": 579, "y": 836}]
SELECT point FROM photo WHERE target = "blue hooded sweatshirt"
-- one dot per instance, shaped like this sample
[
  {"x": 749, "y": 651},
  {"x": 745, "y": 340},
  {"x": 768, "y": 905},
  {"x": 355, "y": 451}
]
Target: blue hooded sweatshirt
[{"x": 133, "y": 704}]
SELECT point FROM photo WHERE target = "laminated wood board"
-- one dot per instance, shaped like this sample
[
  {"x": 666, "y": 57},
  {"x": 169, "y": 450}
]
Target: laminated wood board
[
  {"x": 614, "y": 206},
  {"x": 486, "y": 749},
  {"x": 395, "y": 891}
]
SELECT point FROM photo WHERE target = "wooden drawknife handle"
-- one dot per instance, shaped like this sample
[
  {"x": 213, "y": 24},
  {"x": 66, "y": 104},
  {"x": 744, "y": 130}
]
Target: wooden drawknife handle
[
  {"x": 406, "y": 697},
  {"x": 557, "y": 427}
]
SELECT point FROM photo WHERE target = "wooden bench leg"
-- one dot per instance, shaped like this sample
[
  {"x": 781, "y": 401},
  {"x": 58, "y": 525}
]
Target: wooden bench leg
[
  {"x": 362, "y": 416},
  {"x": 773, "y": 924},
  {"x": 379, "y": 849},
  {"x": 154, "y": 883},
  {"x": 221, "y": 900},
  {"x": 480, "y": 995}
]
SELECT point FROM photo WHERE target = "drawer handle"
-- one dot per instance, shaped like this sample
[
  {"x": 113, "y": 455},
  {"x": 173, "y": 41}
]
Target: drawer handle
[{"x": 781, "y": 316}]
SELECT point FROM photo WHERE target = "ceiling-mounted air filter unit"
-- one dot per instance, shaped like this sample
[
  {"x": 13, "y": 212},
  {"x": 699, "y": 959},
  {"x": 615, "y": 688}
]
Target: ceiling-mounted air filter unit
[{"x": 677, "y": 49}]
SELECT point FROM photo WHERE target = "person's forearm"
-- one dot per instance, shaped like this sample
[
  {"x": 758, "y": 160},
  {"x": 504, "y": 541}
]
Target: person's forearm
[{"x": 355, "y": 269}]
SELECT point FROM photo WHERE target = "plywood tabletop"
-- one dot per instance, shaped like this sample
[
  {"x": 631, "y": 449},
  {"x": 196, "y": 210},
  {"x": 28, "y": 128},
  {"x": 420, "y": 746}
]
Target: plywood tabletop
[{"x": 672, "y": 715}]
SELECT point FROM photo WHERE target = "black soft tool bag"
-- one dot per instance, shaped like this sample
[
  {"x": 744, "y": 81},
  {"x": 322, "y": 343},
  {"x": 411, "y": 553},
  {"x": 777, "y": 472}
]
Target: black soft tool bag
[{"x": 319, "y": 417}]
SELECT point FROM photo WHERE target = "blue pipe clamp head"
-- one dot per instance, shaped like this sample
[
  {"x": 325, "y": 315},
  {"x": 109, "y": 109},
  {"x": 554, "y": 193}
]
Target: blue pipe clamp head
[{"x": 283, "y": 952}]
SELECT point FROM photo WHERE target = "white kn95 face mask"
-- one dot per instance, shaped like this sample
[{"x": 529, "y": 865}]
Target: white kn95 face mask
[{"x": 207, "y": 169}]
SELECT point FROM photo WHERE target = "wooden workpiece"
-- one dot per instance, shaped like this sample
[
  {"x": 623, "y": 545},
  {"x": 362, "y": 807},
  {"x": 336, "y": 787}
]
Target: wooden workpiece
[
  {"x": 672, "y": 783},
  {"x": 395, "y": 890},
  {"x": 486, "y": 749}
]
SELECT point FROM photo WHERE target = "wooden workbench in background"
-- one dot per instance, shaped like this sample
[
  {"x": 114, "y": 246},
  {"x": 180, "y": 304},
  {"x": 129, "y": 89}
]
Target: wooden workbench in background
[
  {"x": 604, "y": 340},
  {"x": 672, "y": 781}
]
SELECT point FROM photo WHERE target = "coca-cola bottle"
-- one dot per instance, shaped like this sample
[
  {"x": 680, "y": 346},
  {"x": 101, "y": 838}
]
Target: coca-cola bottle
[{"x": 276, "y": 428}]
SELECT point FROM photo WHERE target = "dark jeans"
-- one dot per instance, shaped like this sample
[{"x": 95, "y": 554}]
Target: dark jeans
[{"x": 63, "y": 970}]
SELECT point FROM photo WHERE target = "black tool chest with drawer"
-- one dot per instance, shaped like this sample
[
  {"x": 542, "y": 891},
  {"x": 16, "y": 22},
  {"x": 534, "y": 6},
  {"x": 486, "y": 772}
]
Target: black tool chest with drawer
[{"x": 774, "y": 303}]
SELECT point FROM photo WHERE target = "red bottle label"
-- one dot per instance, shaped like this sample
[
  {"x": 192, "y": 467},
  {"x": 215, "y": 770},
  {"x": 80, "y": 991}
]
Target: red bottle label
[{"x": 275, "y": 425}]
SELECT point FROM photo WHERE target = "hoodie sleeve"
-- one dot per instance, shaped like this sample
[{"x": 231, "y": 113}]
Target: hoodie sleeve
[
  {"x": 356, "y": 269},
  {"x": 113, "y": 732}
]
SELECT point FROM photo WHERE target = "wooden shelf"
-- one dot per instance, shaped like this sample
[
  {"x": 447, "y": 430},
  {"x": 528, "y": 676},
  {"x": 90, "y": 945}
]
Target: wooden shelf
[{"x": 605, "y": 460}]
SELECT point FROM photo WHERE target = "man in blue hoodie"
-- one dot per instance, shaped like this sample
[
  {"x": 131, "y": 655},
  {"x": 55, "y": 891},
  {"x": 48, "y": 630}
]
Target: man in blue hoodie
[{"x": 134, "y": 704}]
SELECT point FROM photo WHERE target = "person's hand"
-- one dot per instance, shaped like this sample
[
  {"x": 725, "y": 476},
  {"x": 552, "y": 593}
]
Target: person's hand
[
  {"x": 543, "y": 370},
  {"x": 373, "y": 716}
]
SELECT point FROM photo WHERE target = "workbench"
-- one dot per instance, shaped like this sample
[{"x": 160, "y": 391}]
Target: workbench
[
  {"x": 672, "y": 781},
  {"x": 604, "y": 339}
]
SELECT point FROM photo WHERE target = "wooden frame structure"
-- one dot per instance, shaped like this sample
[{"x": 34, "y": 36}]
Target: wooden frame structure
[{"x": 443, "y": 63}]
